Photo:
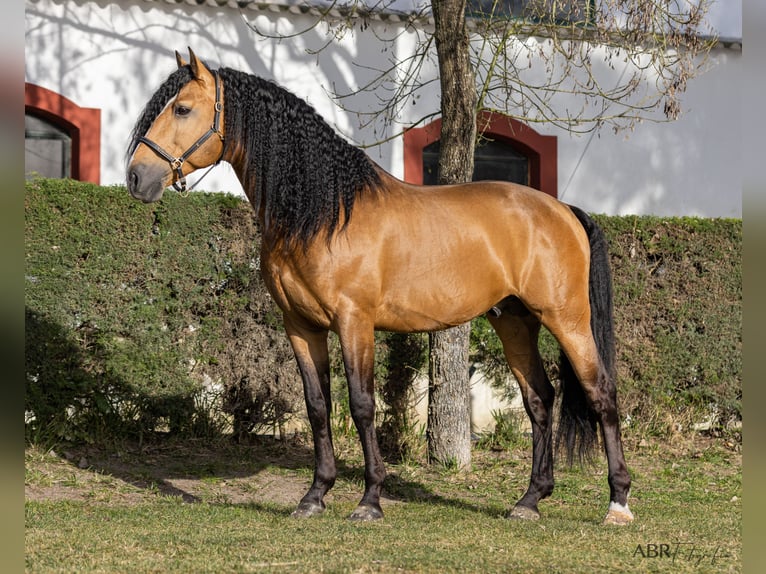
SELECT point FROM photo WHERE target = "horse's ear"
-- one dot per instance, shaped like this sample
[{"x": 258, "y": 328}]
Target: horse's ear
[
  {"x": 197, "y": 67},
  {"x": 180, "y": 60},
  {"x": 199, "y": 70}
]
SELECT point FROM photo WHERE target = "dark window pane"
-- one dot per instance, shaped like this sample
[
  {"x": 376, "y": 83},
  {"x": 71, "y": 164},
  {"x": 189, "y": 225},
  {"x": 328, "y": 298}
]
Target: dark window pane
[
  {"x": 47, "y": 149},
  {"x": 493, "y": 160}
]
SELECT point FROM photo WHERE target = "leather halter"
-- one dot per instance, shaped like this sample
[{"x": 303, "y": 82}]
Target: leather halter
[{"x": 176, "y": 163}]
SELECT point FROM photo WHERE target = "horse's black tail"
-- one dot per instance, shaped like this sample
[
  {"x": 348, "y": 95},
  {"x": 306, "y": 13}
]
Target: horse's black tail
[{"x": 577, "y": 428}]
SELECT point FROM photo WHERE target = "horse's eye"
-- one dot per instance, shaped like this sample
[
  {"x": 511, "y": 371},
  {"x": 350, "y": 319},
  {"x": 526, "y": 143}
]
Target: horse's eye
[{"x": 182, "y": 111}]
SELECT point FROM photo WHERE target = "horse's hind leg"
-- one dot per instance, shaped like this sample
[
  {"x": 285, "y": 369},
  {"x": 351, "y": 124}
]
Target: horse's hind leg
[
  {"x": 518, "y": 330},
  {"x": 311, "y": 353},
  {"x": 601, "y": 396}
]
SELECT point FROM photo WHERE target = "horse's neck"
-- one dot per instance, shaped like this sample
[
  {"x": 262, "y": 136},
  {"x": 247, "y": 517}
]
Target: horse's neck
[{"x": 237, "y": 158}]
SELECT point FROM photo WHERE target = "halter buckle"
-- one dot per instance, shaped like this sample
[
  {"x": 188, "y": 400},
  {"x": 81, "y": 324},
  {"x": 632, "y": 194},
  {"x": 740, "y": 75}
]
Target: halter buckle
[{"x": 180, "y": 186}]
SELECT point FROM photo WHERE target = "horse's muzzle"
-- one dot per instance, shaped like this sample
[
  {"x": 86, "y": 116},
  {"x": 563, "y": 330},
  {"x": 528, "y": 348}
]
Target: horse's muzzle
[{"x": 146, "y": 182}]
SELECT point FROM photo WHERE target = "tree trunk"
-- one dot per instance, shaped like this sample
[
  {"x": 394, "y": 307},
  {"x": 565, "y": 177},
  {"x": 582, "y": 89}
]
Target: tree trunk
[
  {"x": 449, "y": 423},
  {"x": 449, "y": 400}
]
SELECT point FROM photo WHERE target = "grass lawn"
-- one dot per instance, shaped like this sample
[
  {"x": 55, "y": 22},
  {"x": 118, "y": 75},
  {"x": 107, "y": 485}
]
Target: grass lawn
[{"x": 186, "y": 507}]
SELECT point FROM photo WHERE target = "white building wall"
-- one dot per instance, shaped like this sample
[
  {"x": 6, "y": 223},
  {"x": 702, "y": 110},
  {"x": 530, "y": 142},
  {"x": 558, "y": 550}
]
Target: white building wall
[
  {"x": 687, "y": 167},
  {"x": 113, "y": 54}
]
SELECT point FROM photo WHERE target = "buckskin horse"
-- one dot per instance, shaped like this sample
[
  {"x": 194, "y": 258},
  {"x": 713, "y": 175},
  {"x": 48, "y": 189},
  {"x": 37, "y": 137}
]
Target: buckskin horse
[{"x": 348, "y": 247}]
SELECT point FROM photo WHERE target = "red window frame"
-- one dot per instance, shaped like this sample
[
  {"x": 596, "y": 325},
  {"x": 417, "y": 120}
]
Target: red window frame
[
  {"x": 541, "y": 150},
  {"x": 83, "y": 125}
]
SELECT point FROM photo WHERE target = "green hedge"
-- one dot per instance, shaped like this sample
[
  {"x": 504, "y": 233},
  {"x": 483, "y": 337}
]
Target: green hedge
[
  {"x": 678, "y": 315},
  {"x": 152, "y": 317},
  {"x": 140, "y": 317}
]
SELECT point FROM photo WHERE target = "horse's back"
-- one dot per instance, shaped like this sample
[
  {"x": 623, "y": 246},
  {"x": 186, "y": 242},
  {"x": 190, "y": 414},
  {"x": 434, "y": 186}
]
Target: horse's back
[
  {"x": 415, "y": 258},
  {"x": 438, "y": 256}
]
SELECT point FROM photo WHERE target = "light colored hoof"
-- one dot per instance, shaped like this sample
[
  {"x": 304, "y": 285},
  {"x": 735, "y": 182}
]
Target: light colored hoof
[
  {"x": 618, "y": 514},
  {"x": 523, "y": 513}
]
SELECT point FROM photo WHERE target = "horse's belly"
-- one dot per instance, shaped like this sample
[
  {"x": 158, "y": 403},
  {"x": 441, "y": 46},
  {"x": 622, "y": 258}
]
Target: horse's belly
[{"x": 445, "y": 296}]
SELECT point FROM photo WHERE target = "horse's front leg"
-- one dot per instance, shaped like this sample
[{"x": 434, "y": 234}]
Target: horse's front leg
[
  {"x": 310, "y": 347},
  {"x": 518, "y": 331},
  {"x": 358, "y": 346}
]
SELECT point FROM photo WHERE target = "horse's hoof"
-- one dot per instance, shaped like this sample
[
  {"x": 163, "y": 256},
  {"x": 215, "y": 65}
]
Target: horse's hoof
[
  {"x": 618, "y": 514},
  {"x": 523, "y": 513},
  {"x": 366, "y": 513},
  {"x": 308, "y": 509}
]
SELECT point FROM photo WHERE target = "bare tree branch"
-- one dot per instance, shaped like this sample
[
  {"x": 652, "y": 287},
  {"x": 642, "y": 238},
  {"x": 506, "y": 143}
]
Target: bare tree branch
[{"x": 575, "y": 64}]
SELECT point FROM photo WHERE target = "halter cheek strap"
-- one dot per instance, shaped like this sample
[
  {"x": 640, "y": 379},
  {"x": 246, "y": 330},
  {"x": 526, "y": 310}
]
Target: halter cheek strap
[{"x": 176, "y": 163}]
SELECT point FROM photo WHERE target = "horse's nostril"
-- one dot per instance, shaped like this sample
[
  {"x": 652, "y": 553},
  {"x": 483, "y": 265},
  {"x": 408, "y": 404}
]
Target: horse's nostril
[
  {"x": 132, "y": 179},
  {"x": 145, "y": 181}
]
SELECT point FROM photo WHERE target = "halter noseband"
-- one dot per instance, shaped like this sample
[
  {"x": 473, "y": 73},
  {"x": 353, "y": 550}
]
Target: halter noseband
[{"x": 176, "y": 163}]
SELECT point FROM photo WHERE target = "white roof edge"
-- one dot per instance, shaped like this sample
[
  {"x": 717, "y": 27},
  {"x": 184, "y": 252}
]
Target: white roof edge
[{"x": 386, "y": 14}]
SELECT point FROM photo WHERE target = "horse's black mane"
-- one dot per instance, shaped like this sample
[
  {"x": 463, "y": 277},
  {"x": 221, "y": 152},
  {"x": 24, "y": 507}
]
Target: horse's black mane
[{"x": 298, "y": 169}]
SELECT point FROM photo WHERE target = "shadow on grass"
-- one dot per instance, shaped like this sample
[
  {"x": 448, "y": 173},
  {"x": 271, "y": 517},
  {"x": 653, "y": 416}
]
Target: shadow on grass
[
  {"x": 403, "y": 490},
  {"x": 263, "y": 473}
]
